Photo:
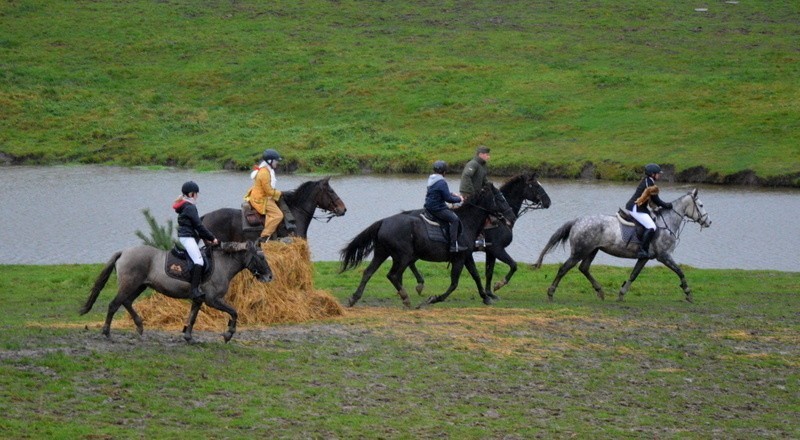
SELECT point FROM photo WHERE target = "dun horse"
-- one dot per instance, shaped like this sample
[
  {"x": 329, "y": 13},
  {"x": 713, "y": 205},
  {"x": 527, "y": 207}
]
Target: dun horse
[
  {"x": 226, "y": 223},
  {"x": 141, "y": 267},
  {"x": 589, "y": 234},
  {"x": 404, "y": 238},
  {"x": 523, "y": 189}
]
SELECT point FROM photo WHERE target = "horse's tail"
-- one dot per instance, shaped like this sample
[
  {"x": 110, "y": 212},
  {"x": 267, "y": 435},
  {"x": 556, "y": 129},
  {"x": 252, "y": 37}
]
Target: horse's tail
[
  {"x": 359, "y": 247},
  {"x": 560, "y": 236},
  {"x": 100, "y": 282}
]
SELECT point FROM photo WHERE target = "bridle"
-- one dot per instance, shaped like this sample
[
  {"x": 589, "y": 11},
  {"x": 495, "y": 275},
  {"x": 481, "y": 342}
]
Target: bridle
[
  {"x": 251, "y": 257},
  {"x": 686, "y": 218},
  {"x": 495, "y": 196},
  {"x": 528, "y": 205},
  {"x": 327, "y": 198}
]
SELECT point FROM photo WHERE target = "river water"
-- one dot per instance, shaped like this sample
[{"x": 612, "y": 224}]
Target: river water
[{"x": 83, "y": 214}]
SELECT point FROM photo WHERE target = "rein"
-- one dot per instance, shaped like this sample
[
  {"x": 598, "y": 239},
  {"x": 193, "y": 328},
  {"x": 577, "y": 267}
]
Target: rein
[
  {"x": 685, "y": 218},
  {"x": 527, "y": 206}
]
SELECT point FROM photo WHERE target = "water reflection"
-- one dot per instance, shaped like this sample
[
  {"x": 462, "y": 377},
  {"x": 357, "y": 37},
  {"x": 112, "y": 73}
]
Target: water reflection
[{"x": 83, "y": 214}]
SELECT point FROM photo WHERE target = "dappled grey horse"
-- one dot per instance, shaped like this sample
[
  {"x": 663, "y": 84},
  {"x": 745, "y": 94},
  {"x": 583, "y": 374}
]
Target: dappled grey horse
[
  {"x": 141, "y": 267},
  {"x": 590, "y": 234}
]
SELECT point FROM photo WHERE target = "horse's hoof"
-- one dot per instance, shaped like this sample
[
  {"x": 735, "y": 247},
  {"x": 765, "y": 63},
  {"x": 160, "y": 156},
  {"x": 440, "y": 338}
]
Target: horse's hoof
[
  {"x": 351, "y": 302},
  {"x": 549, "y": 298},
  {"x": 689, "y": 298},
  {"x": 227, "y": 336},
  {"x": 488, "y": 301},
  {"x": 601, "y": 295},
  {"x": 407, "y": 304},
  {"x": 620, "y": 298},
  {"x": 491, "y": 295},
  {"x": 420, "y": 288},
  {"x": 499, "y": 285}
]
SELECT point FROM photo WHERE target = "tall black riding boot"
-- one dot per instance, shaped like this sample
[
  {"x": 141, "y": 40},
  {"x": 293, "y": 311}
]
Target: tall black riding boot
[
  {"x": 644, "y": 249},
  {"x": 197, "y": 275},
  {"x": 454, "y": 238}
]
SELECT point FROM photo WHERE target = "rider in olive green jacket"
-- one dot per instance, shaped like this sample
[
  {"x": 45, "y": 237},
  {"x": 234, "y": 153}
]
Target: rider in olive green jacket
[{"x": 474, "y": 177}]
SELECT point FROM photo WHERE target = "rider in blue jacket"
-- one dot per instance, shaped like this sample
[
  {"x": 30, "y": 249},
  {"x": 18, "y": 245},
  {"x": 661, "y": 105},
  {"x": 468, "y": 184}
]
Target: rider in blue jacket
[{"x": 437, "y": 196}]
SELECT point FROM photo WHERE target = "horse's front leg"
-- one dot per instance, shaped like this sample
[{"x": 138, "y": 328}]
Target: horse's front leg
[
  {"x": 634, "y": 273},
  {"x": 667, "y": 260},
  {"x": 187, "y": 329},
  {"x": 219, "y": 303},
  {"x": 503, "y": 256},
  {"x": 420, "y": 279}
]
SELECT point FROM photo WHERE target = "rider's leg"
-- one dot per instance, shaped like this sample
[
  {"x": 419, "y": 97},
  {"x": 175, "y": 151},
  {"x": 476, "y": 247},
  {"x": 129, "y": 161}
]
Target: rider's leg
[
  {"x": 190, "y": 244},
  {"x": 650, "y": 229},
  {"x": 274, "y": 218},
  {"x": 644, "y": 249}
]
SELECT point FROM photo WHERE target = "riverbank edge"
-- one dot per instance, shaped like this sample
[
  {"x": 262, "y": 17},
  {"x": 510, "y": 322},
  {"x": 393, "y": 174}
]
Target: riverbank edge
[{"x": 604, "y": 171}]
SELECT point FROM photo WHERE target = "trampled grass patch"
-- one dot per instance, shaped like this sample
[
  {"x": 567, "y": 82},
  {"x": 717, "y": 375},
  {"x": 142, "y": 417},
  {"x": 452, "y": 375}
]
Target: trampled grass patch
[{"x": 652, "y": 366}]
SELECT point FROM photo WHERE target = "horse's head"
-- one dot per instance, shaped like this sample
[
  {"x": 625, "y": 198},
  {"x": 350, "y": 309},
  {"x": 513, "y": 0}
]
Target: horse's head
[
  {"x": 691, "y": 207},
  {"x": 493, "y": 201},
  {"x": 535, "y": 193},
  {"x": 327, "y": 199},
  {"x": 251, "y": 257}
]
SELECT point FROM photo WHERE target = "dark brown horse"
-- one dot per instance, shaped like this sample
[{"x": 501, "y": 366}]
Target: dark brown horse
[
  {"x": 141, "y": 267},
  {"x": 523, "y": 189},
  {"x": 226, "y": 223},
  {"x": 404, "y": 238}
]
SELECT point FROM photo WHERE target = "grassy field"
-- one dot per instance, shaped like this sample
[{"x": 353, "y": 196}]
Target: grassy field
[
  {"x": 568, "y": 88},
  {"x": 653, "y": 366}
]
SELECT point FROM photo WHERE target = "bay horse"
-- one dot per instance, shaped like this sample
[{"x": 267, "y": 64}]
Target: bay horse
[
  {"x": 522, "y": 189},
  {"x": 589, "y": 234},
  {"x": 140, "y": 267},
  {"x": 404, "y": 238},
  {"x": 226, "y": 223}
]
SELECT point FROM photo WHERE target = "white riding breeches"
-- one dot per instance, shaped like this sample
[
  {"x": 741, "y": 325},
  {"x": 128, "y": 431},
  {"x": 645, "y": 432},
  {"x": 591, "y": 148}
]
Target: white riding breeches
[
  {"x": 190, "y": 244},
  {"x": 643, "y": 218}
]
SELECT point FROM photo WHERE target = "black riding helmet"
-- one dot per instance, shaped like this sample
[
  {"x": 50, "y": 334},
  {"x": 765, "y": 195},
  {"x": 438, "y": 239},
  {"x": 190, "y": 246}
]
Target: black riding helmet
[
  {"x": 190, "y": 187},
  {"x": 270, "y": 154},
  {"x": 440, "y": 167},
  {"x": 651, "y": 169}
]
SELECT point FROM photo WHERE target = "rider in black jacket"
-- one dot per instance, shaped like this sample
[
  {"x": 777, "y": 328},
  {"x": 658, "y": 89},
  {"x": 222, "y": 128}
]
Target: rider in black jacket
[
  {"x": 646, "y": 192},
  {"x": 191, "y": 229}
]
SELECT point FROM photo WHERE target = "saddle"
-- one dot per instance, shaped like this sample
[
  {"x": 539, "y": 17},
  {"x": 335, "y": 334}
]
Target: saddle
[
  {"x": 631, "y": 229},
  {"x": 440, "y": 232},
  {"x": 252, "y": 220},
  {"x": 178, "y": 265}
]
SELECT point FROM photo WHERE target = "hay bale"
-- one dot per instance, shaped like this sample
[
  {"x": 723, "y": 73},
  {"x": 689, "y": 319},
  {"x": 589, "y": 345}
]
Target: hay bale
[{"x": 290, "y": 297}]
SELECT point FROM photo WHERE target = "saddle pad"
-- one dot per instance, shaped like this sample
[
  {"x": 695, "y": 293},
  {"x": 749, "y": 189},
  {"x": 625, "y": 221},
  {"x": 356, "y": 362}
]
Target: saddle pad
[
  {"x": 628, "y": 233},
  {"x": 178, "y": 265},
  {"x": 438, "y": 233},
  {"x": 435, "y": 230}
]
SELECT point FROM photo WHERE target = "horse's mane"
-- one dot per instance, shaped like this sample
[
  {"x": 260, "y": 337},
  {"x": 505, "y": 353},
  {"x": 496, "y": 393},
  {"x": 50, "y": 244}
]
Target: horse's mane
[
  {"x": 303, "y": 191},
  {"x": 522, "y": 177}
]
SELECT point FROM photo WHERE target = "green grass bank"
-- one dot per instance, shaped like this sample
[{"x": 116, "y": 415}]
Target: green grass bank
[
  {"x": 572, "y": 89},
  {"x": 653, "y": 366}
]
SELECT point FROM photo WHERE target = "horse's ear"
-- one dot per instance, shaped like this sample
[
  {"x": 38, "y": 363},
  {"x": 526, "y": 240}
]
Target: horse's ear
[{"x": 694, "y": 193}]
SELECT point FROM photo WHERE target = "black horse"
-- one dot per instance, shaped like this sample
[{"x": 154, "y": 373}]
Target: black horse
[
  {"x": 226, "y": 223},
  {"x": 522, "y": 189},
  {"x": 404, "y": 237}
]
